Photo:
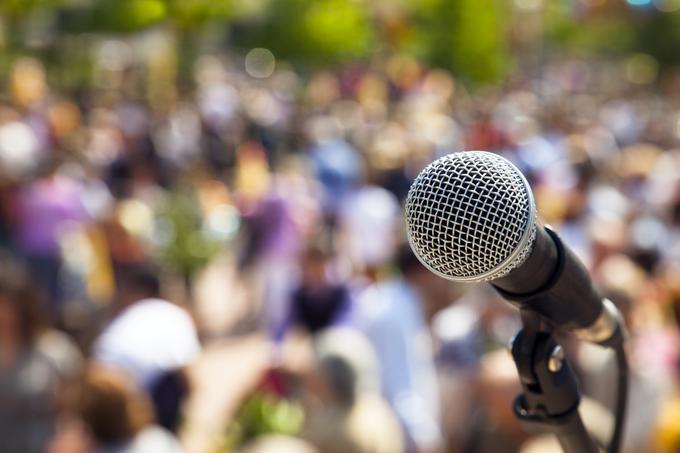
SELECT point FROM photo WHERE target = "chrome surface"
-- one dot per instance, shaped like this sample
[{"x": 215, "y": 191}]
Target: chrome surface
[{"x": 604, "y": 326}]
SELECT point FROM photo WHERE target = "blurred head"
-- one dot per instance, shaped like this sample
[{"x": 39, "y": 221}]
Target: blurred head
[
  {"x": 346, "y": 366},
  {"x": 340, "y": 380},
  {"x": 314, "y": 265},
  {"x": 112, "y": 408},
  {"x": 137, "y": 283},
  {"x": 21, "y": 317}
]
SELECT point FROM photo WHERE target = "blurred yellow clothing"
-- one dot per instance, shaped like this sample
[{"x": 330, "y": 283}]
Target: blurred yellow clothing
[
  {"x": 100, "y": 282},
  {"x": 252, "y": 171},
  {"x": 667, "y": 433},
  {"x": 252, "y": 178},
  {"x": 28, "y": 82}
]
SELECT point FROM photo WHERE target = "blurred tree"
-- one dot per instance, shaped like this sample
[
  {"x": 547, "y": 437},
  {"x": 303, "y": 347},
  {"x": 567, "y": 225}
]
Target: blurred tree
[
  {"x": 126, "y": 16},
  {"x": 612, "y": 33},
  {"x": 16, "y": 8},
  {"x": 466, "y": 36},
  {"x": 119, "y": 16},
  {"x": 193, "y": 14},
  {"x": 317, "y": 32},
  {"x": 659, "y": 36},
  {"x": 15, "y": 14},
  {"x": 188, "y": 248},
  {"x": 463, "y": 35},
  {"x": 470, "y": 37}
]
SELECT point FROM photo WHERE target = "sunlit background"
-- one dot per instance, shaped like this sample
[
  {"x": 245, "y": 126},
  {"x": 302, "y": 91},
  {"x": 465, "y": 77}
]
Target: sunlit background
[{"x": 201, "y": 237}]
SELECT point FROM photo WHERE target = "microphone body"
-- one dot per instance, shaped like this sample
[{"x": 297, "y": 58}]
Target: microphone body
[
  {"x": 471, "y": 217},
  {"x": 554, "y": 283}
]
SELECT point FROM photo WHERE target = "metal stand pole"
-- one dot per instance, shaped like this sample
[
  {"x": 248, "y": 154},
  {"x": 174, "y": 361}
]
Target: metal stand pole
[{"x": 550, "y": 396}]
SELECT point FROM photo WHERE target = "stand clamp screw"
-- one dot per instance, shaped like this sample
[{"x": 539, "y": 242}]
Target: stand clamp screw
[
  {"x": 556, "y": 359},
  {"x": 511, "y": 343}
]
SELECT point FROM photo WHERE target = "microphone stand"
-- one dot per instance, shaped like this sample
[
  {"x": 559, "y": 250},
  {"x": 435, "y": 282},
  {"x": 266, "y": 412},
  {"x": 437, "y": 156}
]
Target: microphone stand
[{"x": 550, "y": 395}]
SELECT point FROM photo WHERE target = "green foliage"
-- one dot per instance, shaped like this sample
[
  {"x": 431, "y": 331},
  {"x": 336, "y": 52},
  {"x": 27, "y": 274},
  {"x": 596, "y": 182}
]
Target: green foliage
[
  {"x": 263, "y": 414},
  {"x": 465, "y": 36},
  {"x": 18, "y": 7},
  {"x": 133, "y": 15},
  {"x": 652, "y": 32},
  {"x": 468, "y": 37},
  {"x": 192, "y": 13},
  {"x": 318, "y": 32},
  {"x": 337, "y": 26},
  {"x": 187, "y": 248},
  {"x": 130, "y": 15},
  {"x": 659, "y": 36},
  {"x": 603, "y": 34},
  {"x": 122, "y": 16}
]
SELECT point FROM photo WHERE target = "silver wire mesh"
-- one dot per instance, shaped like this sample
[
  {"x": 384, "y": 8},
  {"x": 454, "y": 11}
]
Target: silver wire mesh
[{"x": 470, "y": 216}]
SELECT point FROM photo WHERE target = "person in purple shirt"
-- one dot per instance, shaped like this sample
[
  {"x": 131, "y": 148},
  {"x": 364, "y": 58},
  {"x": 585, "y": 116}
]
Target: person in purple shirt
[{"x": 45, "y": 207}]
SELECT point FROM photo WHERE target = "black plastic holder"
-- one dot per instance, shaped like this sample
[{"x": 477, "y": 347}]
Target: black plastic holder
[{"x": 550, "y": 395}]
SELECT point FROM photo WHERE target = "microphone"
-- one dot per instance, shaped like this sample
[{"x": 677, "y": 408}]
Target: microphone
[{"x": 471, "y": 217}]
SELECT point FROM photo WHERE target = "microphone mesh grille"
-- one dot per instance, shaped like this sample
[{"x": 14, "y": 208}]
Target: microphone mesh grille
[{"x": 470, "y": 216}]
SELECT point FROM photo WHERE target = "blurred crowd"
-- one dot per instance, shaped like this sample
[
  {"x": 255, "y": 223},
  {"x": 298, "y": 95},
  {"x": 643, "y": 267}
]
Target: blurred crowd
[{"x": 222, "y": 266}]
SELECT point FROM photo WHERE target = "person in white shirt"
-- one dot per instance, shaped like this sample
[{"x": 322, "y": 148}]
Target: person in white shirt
[
  {"x": 392, "y": 316},
  {"x": 151, "y": 339}
]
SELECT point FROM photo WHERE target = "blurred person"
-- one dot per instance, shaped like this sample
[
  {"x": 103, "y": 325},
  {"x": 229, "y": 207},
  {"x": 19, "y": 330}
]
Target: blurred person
[
  {"x": 652, "y": 355},
  {"x": 108, "y": 413},
  {"x": 666, "y": 431},
  {"x": 623, "y": 119},
  {"x": 152, "y": 339},
  {"x": 289, "y": 215},
  {"x": 8, "y": 190},
  {"x": 21, "y": 151},
  {"x": 122, "y": 248},
  {"x": 392, "y": 314},
  {"x": 46, "y": 206},
  {"x": 104, "y": 141},
  {"x": 320, "y": 300},
  {"x": 177, "y": 137},
  {"x": 459, "y": 337},
  {"x": 35, "y": 363},
  {"x": 252, "y": 177},
  {"x": 336, "y": 163},
  {"x": 495, "y": 428},
  {"x": 135, "y": 174},
  {"x": 271, "y": 223},
  {"x": 344, "y": 410},
  {"x": 263, "y": 218},
  {"x": 483, "y": 134},
  {"x": 665, "y": 436},
  {"x": 369, "y": 225}
]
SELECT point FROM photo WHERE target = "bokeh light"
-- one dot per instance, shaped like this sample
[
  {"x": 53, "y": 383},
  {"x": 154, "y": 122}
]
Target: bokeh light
[{"x": 260, "y": 63}]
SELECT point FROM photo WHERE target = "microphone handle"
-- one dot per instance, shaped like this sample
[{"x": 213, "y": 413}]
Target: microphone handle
[{"x": 554, "y": 283}]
